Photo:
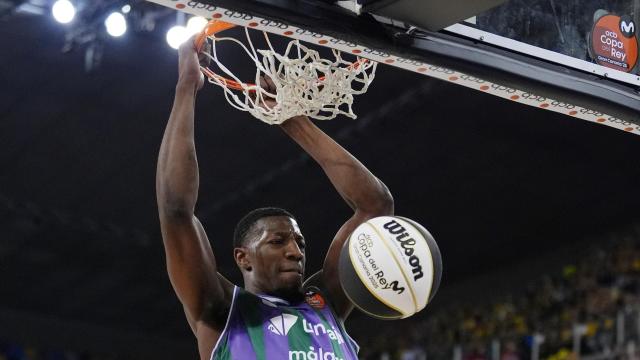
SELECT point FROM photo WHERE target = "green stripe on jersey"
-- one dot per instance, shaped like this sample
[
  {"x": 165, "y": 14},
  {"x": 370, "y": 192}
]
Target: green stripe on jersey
[
  {"x": 223, "y": 352},
  {"x": 252, "y": 318},
  {"x": 297, "y": 337}
]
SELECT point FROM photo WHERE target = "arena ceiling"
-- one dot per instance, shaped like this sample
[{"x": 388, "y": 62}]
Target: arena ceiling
[{"x": 495, "y": 182}]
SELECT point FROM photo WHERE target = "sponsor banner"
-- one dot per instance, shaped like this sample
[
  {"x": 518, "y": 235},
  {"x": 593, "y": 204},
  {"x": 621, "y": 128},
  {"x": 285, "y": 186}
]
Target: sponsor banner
[
  {"x": 279, "y": 28},
  {"x": 614, "y": 42}
]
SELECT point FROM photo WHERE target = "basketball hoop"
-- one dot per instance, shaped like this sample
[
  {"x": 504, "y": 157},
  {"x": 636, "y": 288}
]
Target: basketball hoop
[{"x": 305, "y": 83}]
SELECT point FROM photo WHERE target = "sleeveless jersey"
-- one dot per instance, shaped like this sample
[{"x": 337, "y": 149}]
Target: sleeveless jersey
[{"x": 269, "y": 328}]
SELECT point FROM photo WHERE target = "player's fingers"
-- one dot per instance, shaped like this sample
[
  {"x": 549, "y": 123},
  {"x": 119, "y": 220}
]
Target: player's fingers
[
  {"x": 263, "y": 83},
  {"x": 202, "y": 57},
  {"x": 271, "y": 86}
]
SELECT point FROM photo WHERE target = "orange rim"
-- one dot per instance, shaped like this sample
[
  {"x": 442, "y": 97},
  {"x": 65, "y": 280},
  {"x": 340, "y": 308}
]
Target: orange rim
[{"x": 215, "y": 26}]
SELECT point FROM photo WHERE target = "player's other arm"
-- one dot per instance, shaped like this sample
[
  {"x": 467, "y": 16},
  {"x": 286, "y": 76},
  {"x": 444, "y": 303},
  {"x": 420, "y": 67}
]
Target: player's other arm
[
  {"x": 362, "y": 191},
  {"x": 190, "y": 260}
]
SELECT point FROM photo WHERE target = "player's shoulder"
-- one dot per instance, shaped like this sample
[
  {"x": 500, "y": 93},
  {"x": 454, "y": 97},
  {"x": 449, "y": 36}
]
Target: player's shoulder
[
  {"x": 314, "y": 280},
  {"x": 315, "y": 292}
]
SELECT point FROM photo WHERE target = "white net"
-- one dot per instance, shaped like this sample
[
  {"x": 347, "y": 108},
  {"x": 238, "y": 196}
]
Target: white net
[{"x": 305, "y": 83}]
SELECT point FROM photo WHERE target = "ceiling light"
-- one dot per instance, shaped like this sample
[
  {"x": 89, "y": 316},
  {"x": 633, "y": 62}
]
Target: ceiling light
[
  {"x": 176, "y": 36},
  {"x": 195, "y": 25},
  {"x": 116, "y": 24},
  {"x": 63, "y": 11}
]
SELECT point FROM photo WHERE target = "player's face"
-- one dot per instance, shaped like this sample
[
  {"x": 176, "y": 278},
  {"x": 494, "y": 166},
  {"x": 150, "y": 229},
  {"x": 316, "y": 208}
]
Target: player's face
[{"x": 278, "y": 256}]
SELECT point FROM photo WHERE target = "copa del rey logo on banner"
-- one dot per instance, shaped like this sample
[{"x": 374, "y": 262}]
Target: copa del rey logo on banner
[{"x": 614, "y": 42}]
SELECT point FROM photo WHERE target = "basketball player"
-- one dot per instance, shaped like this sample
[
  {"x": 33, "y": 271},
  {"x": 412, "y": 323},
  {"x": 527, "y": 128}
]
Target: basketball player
[{"x": 273, "y": 316}]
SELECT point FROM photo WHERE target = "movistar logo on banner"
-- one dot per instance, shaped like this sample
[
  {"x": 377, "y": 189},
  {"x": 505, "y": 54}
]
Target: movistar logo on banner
[{"x": 627, "y": 26}]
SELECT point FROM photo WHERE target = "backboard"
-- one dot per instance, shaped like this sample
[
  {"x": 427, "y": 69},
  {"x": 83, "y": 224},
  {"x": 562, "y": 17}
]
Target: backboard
[{"x": 570, "y": 57}]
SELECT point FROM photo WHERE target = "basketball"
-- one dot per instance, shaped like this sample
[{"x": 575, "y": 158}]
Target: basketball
[{"x": 390, "y": 267}]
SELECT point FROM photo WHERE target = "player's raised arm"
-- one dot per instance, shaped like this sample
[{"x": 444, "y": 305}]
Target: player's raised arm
[
  {"x": 190, "y": 260},
  {"x": 363, "y": 192}
]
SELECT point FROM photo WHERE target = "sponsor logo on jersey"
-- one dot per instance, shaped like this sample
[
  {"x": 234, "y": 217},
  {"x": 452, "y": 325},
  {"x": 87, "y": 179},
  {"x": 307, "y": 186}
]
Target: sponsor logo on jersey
[
  {"x": 282, "y": 324},
  {"x": 315, "y": 300},
  {"x": 313, "y": 354},
  {"x": 320, "y": 329}
]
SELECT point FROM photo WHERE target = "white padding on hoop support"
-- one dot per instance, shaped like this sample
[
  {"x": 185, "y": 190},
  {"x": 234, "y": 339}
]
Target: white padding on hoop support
[{"x": 306, "y": 84}]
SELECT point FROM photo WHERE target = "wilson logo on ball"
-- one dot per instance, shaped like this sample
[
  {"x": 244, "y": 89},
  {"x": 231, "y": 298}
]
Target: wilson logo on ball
[{"x": 402, "y": 236}]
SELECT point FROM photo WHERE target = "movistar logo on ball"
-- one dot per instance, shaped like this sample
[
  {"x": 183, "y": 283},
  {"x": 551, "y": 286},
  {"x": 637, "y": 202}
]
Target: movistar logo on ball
[
  {"x": 394, "y": 286},
  {"x": 407, "y": 243}
]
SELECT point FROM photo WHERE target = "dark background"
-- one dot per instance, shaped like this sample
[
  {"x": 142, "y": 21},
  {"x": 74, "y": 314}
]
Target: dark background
[{"x": 81, "y": 259}]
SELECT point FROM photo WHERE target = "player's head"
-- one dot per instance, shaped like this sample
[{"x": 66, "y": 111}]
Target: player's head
[{"x": 269, "y": 250}]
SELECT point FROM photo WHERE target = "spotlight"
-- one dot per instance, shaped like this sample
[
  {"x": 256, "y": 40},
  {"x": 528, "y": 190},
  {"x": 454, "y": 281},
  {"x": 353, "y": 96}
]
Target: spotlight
[
  {"x": 126, "y": 9},
  {"x": 176, "y": 36},
  {"x": 63, "y": 11},
  {"x": 195, "y": 25},
  {"x": 116, "y": 24}
]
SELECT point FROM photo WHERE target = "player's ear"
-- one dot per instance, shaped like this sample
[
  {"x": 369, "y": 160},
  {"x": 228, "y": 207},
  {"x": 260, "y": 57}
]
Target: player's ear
[{"x": 242, "y": 258}]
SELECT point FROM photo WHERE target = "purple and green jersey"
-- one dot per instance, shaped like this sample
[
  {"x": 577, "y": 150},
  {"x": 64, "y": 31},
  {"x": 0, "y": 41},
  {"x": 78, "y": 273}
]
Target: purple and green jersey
[{"x": 268, "y": 328}]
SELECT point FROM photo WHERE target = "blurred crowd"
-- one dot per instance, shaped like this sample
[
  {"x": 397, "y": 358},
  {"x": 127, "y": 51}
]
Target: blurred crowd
[{"x": 595, "y": 299}]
